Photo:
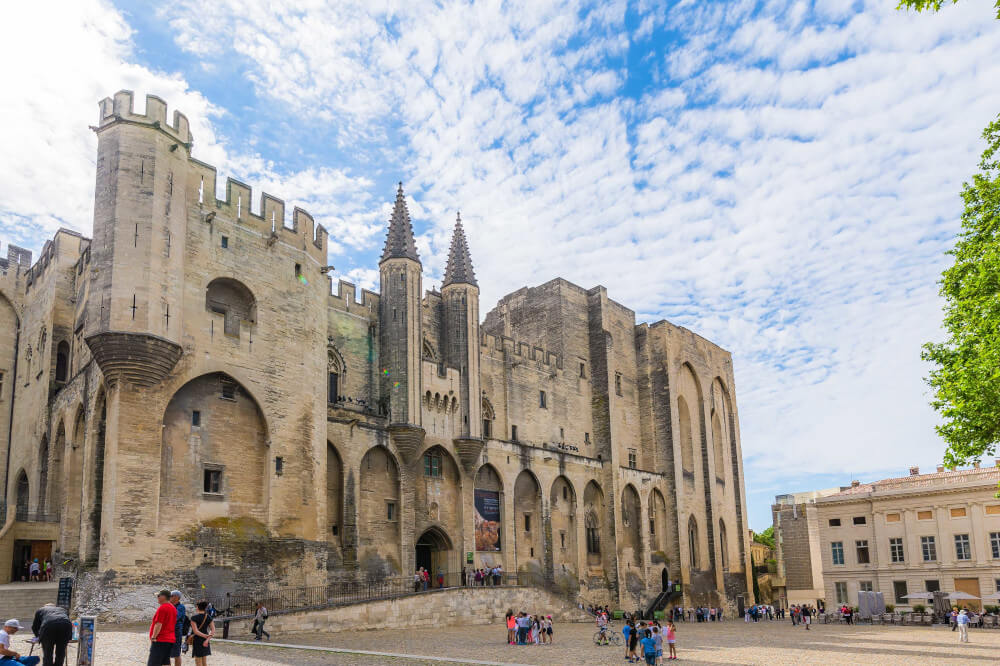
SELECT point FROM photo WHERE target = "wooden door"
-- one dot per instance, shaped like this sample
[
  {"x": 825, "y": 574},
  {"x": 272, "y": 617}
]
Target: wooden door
[{"x": 969, "y": 586}]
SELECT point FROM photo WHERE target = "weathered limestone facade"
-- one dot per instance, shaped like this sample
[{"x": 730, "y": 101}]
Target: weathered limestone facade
[{"x": 194, "y": 399}]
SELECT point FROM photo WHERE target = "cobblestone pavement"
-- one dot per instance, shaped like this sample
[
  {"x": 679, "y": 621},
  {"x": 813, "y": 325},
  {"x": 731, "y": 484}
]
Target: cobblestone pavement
[{"x": 772, "y": 643}]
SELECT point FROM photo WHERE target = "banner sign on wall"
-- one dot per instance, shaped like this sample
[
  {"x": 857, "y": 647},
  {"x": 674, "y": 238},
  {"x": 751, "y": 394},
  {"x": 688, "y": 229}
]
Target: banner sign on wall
[{"x": 487, "y": 520}]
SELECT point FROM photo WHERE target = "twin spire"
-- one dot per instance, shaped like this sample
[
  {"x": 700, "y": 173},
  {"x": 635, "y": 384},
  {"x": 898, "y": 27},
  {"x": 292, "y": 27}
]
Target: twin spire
[
  {"x": 459, "y": 268},
  {"x": 399, "y": 243}
]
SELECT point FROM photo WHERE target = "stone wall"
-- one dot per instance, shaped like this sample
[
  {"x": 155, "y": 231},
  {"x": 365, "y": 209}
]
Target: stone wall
[{"x": 458, "y": 606}]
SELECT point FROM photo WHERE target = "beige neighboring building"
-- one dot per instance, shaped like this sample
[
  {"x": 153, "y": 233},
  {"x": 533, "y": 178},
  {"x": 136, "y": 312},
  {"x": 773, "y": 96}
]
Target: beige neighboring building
[
  {"x": 799, "y": 577},
  {"x": 921, "y": 532},
  {"x": 189, "y": 396}
]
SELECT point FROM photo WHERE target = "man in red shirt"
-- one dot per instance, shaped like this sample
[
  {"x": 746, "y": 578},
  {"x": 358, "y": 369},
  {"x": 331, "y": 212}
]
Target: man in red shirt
[{"x": 161, "y": 631}]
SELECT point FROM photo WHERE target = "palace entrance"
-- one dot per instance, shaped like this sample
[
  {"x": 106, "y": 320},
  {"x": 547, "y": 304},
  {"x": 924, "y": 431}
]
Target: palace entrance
[{"x": 433, "y": 552}]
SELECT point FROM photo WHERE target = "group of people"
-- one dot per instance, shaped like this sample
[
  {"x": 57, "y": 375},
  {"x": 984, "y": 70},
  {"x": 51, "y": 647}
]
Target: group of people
[
  {"x": 52, "y": 629},
  {"x": 759, "y": 612},
  {"x": 422, "y": 579},
  {"x": 524, "y": 629},
  {"x": 698, "y": 614},
  {"x": 960, "y": 620},
  {"x": 645, "y": 638},
  {"x": 171, "y": 632},
  {"x": 35, "y": 571},
  {"x": 483, "y": 576},
  {"x": 805, "y": 613}
]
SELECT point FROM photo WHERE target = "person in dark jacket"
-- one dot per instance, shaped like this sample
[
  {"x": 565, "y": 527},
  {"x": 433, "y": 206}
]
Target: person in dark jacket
[{"x": 54, "y": 630}]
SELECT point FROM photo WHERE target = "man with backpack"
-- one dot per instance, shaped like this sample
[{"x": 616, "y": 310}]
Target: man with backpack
[{"x": 181, "y": 627}]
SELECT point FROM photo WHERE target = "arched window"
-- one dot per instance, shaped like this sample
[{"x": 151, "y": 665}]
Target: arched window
[
  {"x": 488, "y": 418},
  {"x": 23, "y": 493},
  {"x": 62, "y": 361},
  {"x": 432, "y": 463},
  {"x": 233, "y": 300},
  {"x": 693, "y": 542},
  {"x": 335, "y": 373},
  {"x": 723, "y": 545},
  {"x": 593, "y": 526}
]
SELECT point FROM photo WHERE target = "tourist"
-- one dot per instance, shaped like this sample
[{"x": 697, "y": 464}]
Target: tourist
[
  {"x": 511, "y": 626},
  {"x": 260, "y": 616},
  {"x": 162, "y": 631},
  {"x": 497, "y": 574},
  {"x": 7, "y": 655},
  {"x": 417, "y": 580},
  {"x": 962, "y": 622},
  {"x": 202, "y": 630},
  {"x": 523, "y": 628},
  {"x": 181, "y": 625},
  {"x": 440, "y": 578},
  {"x": 35, "y": 570},
  {"x": 633, "y": 641},
  {"x": 658, "y": 639},
  {"x": 602, "y": 626},
  {"x": 548, "y": 628},
  {"x": 953, "y": 618},
  {"x": 671, "y": 639},
  {"x": 626, "y": 631},
  {"x": 807, "y": 619},
  {"x": 54, "y": 630}
]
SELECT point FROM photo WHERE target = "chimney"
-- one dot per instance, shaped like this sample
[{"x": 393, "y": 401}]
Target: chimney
[
  {"x": 855, "y": 484},
  {"x": 940, "y": 468},
  {"x": 914, "y": 471}
]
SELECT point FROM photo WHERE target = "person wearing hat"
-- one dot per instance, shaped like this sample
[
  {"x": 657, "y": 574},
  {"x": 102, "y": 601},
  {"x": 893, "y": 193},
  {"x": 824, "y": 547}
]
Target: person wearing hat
[
  {"x": 8, "y": 656},
  {"x": 963, "y": 626},
  {"x": 182, "y": 626},
  {"x": 54, "y": 631},
  {"x": 162, "y": 631}
]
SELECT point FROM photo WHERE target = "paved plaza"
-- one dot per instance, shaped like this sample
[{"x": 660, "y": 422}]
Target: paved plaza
[{"x": 726, "y": 643}]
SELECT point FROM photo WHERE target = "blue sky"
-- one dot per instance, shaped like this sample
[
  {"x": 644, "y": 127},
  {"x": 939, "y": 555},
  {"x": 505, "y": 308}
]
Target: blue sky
[{"x": 781, "y": 177}]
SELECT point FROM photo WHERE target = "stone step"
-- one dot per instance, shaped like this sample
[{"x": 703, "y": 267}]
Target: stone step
[{"x": 22, "y": 602}]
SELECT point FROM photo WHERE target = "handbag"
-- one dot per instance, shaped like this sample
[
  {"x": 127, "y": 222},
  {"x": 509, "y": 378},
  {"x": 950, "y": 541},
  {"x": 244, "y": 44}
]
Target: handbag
[{"x": 201, "y": 628}]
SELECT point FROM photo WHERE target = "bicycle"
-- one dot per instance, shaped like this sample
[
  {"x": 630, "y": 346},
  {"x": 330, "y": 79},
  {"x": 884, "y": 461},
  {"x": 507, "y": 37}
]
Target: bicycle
[{"x": 607, "y": 638}]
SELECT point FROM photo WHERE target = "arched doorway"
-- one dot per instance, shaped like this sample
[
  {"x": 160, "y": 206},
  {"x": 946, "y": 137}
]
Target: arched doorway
[
  {"x": 665, "y": 579},
  {"x": 433, "y": 553}
]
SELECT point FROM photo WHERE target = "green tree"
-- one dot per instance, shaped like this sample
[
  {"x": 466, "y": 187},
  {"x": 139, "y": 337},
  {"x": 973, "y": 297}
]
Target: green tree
[
  {"x": 931, "y": 5},
  {"x": 966, "y": 376},
  {"x": 766, "y": 537}
]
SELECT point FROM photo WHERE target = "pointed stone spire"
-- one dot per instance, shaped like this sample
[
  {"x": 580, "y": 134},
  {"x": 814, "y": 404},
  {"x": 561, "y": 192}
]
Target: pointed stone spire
[
  {"x": 399, "y": 241},
  {"x": 459, "y": 269}
]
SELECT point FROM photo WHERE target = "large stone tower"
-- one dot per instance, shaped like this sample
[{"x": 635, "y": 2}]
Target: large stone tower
[
  {"x": 133, "y": 321},
  {"x": 460, "y": 339},
  {"x": 400, "y": 329}
]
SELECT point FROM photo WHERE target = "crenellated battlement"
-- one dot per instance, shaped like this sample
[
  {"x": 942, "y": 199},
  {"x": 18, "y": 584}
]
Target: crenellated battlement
[
  {"x": 521, "y": 351},
  {"x": 344, "y": 300},
  {"x": 303, "y": 233},
  {"x": 121, "y": 108}
]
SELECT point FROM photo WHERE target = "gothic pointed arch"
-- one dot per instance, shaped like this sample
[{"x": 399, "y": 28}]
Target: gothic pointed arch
[
  {"x": 214, "y": 450},
  {"x": 631, "y": 537},
  {"x": 334, "y": 496},
  {"x": 22, "y": 495},
  {"x": 379, "y": 508},
  {"x": 596, "y": 528},
  {"x": 528, "y": 521},
  {"x": 489, "y": 418},
  {"x": 563, "y": 516}
]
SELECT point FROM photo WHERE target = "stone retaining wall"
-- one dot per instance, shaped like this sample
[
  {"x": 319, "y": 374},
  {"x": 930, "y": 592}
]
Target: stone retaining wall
[{"x": 444, "y": 607}]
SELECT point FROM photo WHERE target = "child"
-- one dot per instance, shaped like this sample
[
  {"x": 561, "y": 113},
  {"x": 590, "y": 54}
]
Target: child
[
  {"x": 649, "y": 648},
  {"x": 548, "y": 627},
  {"x": 671, "y": 638},
  {"x": 658, "y": 639},
  {"x": 627, "y": 631},
  {"x": 511, "y": 627}
]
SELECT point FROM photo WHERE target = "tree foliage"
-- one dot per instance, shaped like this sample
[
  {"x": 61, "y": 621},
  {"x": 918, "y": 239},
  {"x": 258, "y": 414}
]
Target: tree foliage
[
  {"x": 966, "y": 376},
  {"x": 931, "y": 5},
  {"x": 766, "y": 537}
]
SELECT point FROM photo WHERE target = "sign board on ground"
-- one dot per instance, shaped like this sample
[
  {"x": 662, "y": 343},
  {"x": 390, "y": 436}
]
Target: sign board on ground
[{"x": 65, "y": 594}]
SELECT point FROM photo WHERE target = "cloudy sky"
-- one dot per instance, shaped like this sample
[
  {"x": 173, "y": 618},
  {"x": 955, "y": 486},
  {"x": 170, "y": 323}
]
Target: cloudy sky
[{"x": 781, "y": 177}]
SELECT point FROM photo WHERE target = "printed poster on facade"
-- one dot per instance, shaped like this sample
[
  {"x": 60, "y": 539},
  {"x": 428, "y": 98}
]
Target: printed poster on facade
[{"x": 487, "y": 520}]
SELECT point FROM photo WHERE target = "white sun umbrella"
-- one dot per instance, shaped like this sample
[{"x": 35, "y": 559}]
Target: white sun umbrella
[
  {"x": 961, "y": 596},
  {"x": 992, "y": 597},
  {"x": 919, "y": 595}
]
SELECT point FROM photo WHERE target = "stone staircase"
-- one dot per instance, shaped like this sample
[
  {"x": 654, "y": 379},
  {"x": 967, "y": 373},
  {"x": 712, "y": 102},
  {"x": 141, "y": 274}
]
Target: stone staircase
[{"x": 21, "y": 600}]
